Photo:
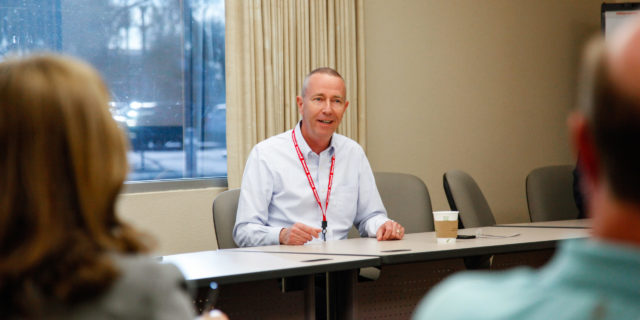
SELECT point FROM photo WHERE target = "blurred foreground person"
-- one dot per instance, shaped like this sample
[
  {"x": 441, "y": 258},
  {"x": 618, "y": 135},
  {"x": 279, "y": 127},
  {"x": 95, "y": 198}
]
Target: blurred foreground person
[
  {"x": 596, "y": 278},
  {"x": 64, "y": 254}
]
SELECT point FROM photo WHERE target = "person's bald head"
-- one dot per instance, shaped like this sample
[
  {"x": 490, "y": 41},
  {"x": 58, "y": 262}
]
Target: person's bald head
[
  {"x": 609, "y": 101},
  {"x": 623, "y": 58}
]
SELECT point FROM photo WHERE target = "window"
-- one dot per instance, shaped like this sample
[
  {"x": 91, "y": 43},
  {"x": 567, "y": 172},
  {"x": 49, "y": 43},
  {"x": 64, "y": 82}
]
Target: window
[{"x": 163, "y": 61}]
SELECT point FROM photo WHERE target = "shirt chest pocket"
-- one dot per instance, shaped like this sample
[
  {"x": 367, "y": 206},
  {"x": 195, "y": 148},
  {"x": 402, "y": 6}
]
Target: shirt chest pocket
[{"x": 343, "y": 204}]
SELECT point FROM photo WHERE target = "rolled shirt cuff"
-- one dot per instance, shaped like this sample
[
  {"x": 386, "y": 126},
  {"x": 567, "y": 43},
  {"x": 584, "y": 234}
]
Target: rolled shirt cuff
[
  {"x": 374, "y": 224},
  {"x": 274, "y": 235}
]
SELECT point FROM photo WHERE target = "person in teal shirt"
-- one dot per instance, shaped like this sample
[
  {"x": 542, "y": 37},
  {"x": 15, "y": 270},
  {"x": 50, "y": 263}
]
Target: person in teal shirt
[{"x": 596, "y": 278}]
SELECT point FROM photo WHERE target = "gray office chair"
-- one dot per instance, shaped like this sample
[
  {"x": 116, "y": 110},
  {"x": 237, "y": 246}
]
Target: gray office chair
[
  {"x": 550, "y": 193},
  {"x": 465, "y": 196},
  {"x": 224, "y": 210},
  {"x": 406, "y": 199}
]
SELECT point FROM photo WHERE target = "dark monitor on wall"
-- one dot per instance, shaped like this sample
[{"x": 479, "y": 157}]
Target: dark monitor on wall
[{"x": 615, "y": 14}]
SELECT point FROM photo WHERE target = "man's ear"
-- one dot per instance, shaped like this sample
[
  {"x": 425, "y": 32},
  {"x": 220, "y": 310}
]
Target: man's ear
[
  {"x": 299, "y": 101},
  {"x": 584, "y": 148}
]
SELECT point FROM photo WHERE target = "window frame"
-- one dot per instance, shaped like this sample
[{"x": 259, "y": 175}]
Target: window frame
[{"x": 144, "y": 186}]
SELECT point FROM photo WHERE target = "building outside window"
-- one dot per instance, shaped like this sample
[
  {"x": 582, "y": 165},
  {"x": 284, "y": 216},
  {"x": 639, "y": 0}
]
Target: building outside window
[{"x": 163, "y": 61}]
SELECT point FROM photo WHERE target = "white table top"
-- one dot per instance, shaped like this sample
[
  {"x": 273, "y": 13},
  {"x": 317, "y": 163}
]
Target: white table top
[
  {"x": 227, "y": 266},
  {"x": 577, "y": 223},
  {"x": 423, "y": 246}
]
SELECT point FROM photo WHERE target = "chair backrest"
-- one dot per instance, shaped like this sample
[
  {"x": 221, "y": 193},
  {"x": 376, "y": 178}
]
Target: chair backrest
[
  {"x": 406, "y": 199},
  {"x": 465, "y": 196},
  {"x": 224, "y": 210},
  {"x": 550, "y": 193}
]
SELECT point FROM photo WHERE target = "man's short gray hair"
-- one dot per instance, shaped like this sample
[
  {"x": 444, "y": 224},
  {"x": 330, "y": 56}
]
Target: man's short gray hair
[{"x": 322, "y": 70}]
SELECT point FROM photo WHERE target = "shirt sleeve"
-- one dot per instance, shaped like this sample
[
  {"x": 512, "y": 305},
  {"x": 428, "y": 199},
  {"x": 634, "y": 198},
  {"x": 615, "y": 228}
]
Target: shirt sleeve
[
  {"x": 251, "y": 228},
  {"x": 371, "y": 213}
]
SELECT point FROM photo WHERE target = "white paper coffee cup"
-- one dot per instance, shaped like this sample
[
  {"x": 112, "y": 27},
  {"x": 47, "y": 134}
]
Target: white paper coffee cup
[{"x": 446, "y": 225}]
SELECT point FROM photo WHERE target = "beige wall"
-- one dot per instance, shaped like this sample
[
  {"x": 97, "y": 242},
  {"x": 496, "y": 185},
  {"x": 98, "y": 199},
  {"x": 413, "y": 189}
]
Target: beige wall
[
  {"x": 180, "y": 220},
  {"x": 482, "y": 86}
]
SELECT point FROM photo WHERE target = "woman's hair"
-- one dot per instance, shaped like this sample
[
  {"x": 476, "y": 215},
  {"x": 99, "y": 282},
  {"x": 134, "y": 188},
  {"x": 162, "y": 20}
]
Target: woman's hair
[{"x": 62, "y": 164}]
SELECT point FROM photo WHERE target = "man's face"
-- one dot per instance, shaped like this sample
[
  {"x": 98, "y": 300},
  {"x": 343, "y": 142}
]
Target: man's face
[{"x": 322, "y": 107}]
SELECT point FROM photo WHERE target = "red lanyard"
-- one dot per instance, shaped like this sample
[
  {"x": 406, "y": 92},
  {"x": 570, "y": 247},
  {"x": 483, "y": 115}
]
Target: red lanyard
[{"x": 310, "y": 179}]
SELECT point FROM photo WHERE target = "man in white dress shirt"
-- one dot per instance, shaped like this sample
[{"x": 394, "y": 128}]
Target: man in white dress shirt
[{"x": 311, "y": 183}]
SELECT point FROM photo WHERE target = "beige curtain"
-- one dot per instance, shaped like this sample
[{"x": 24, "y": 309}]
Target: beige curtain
[{"x": 271, "y": 45}]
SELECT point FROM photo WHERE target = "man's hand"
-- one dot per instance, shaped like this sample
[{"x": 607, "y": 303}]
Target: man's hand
[
  {"x": 298, "y": 234},
  {"x": 390, "y": 230}
]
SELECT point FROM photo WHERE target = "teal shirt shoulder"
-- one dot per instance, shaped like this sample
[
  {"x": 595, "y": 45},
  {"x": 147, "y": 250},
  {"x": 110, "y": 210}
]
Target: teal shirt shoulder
[{"x": 587, "y": 279}]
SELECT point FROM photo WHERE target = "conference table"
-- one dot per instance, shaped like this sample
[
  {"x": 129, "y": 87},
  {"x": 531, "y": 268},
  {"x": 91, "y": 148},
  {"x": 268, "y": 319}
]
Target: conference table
[
  {"x": 423, "y": 247},
  {"x": 252, "y": 285},
  {"x": 411, "y": 266},
  {"x": 406, "y": 268},
  {"x": 571, "y": 224}
]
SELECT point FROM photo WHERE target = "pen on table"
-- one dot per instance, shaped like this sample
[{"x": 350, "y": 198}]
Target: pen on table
[{"x": 211, "y": 297}]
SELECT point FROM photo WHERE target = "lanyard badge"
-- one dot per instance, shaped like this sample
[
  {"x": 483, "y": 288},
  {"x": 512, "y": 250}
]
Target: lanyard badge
[{"x": 313, "y": 186}]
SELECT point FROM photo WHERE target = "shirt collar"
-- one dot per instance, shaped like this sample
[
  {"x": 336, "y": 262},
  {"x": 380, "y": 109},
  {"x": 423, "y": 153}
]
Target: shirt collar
[{"x": 304, "y": 147}]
